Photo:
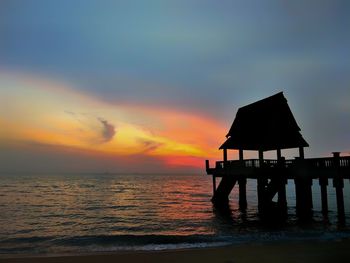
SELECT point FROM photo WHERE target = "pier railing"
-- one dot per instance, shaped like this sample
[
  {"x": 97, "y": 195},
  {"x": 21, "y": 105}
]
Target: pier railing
[
  {"x": 328, "y": 162},
  {"x": 273, "y": 175}
]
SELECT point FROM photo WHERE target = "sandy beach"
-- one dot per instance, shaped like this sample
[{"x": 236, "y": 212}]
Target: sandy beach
[{"x": 312, "y": 251}]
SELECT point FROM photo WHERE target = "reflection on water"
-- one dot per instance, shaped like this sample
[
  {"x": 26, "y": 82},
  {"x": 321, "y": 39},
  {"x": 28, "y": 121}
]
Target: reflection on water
[
  {"x": 62, "y": 205},
  {"x": 56, "y": 207}
]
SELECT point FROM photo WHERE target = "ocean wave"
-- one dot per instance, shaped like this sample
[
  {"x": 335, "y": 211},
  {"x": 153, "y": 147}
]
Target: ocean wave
[{"x": 103, "y": 243}]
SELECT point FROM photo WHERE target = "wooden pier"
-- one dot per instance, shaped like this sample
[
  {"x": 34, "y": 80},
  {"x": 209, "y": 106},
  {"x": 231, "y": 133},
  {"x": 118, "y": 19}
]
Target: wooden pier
[
  {"x": 269, "y": 125},
  {"x": 273, "y": 175}
]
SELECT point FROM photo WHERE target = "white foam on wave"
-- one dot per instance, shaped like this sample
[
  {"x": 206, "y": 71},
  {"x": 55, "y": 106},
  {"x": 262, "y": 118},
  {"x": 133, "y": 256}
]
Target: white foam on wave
[{"x": 158, "y": 247}]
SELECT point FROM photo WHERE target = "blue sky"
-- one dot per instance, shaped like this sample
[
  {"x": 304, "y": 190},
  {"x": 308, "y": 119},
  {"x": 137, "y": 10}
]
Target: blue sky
[{"x": 203, "y": 57}]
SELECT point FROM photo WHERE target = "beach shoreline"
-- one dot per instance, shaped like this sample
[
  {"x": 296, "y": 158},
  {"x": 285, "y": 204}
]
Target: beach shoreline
[{"x": 302, "y": 251}]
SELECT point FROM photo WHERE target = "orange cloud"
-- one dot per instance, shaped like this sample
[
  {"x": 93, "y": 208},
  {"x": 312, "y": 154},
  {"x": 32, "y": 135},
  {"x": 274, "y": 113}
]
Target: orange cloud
[{"x": 42, "y": 111}]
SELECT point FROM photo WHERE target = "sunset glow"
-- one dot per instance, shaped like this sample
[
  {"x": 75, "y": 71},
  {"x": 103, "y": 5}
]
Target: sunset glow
[
  {"x": 49, "y": 113},
  {"x": 125, "y": 86}
]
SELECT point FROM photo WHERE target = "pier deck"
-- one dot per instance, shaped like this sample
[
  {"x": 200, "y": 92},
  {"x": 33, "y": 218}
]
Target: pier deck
[
  {"x": 253, "y": 168},
  {"x": 273, "y": 175}
]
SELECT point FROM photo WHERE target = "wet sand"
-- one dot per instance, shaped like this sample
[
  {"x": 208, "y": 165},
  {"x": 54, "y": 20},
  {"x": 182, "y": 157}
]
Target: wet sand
[{"x": 311, "y": 251}]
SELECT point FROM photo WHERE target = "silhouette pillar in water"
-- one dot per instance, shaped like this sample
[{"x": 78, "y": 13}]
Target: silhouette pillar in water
[
  {"x": 303, "y": 187},
  {"x": 282, "y": 181},
  {"x": 338, "y": 183},
  {"x": 261, "y": 182},
  {"x": 242, "y": 182},
  {"x": 323, "y": 181}
]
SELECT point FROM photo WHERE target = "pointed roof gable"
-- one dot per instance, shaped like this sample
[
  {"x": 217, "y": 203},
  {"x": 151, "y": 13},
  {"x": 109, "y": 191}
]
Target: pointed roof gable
[{"x": 267, "y": 124}]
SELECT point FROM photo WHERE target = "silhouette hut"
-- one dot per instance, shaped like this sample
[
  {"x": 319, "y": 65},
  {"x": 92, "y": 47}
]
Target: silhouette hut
[{"x": 265, "y": 125}]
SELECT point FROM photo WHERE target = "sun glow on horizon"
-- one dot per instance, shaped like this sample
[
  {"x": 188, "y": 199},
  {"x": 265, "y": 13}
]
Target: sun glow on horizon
[{"x": 41, "y": 111}]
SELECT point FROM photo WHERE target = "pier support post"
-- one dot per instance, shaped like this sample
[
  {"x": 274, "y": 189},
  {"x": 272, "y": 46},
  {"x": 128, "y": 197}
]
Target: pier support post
[
  {"x": 262, "y": 183},
  {"x": 340, "y": 197},
  {"x": 279, "y": 154},
  {"x": 240, "y": 152},
  {"x": 242, "y": 182},
  {"x": 214, "y": 184},
  {"x": 309, "y": 193},
  {"x": 242, "y": 193},
  {"x": 338, "y": 183},
  {"x": 261, "y": 158},
  {"x": 303, "y": 187},
  {"x": 324, "y": 201},
  {"x": 301, "y": 153},
  {"x": 207, "y": 165},
  {"x": 225, "y": 157},
  {"x": 282, "y": 195},
  {"x": 303, "y": 190}
]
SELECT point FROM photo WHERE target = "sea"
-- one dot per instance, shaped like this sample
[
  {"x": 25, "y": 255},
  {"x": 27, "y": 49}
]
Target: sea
[{"x": 51, "y": 214}]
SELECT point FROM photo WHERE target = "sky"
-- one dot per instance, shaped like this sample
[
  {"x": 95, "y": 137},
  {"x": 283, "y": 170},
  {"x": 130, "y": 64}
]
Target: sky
[{"x": 153, "y": 86}]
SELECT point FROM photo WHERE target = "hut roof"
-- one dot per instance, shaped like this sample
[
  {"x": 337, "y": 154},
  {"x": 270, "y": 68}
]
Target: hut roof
[{"x": 267, "y": 124}]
